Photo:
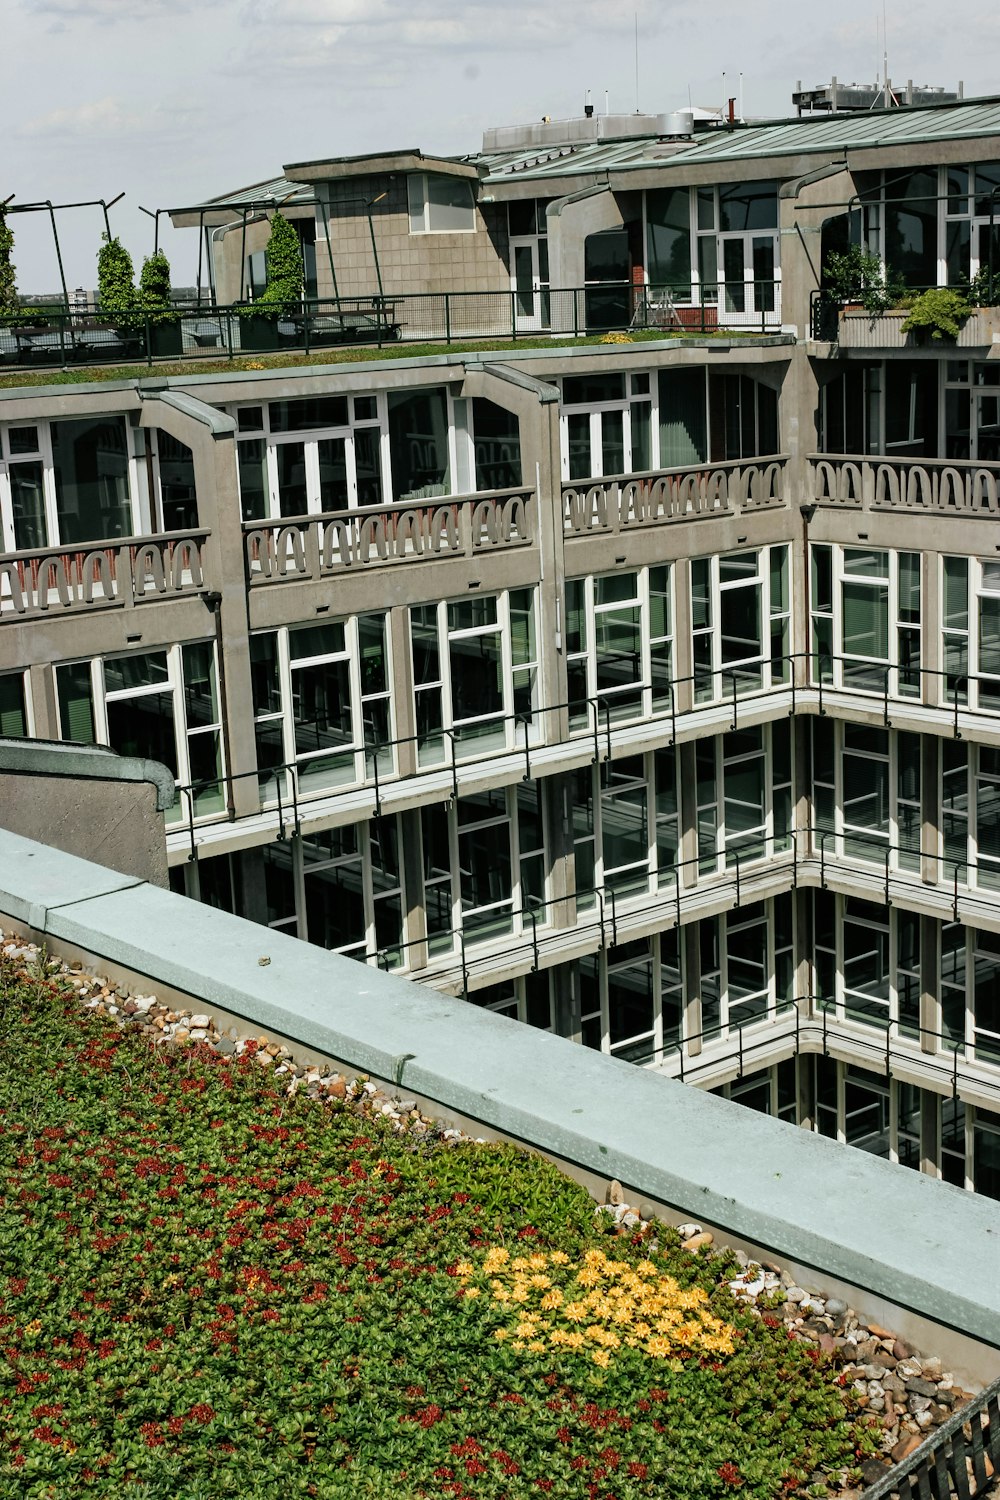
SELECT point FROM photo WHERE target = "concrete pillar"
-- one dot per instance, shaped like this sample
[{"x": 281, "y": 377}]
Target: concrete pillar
[
  {"x": 930, "y": 967},
  {"x": 930, "y": 1133},
  {"x": 931, "y": 869},
  {"x": 691, "y": 968},
  {"x": 42, "y": 694},
  {"x": 412, "y": 878}
]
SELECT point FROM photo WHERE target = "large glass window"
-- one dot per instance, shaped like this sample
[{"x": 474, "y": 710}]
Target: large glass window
[
  {"x": 311, "y": 455},
  {"x": 743, "y": 789},
  {"x": 483, "y": 865},
  {"x": 475, "y": 671},
  {"x": 619, "y": 645},
  {"x": 418, "y": 443},
  {"x": 631, "y": 998},
  {"x": 866, "y": 786},
  {"x": 90, "y": 460},
  {"x": 668, "y": 240},
  {"x": 158, "y": 705},
  {"x": 971, "y": 630},
  {"x": 740, "y": 610},
  {"x": 14, "y": 717},
  {"x": 625, "y": 825},
  {"x": 866, "y": 619},
  {"x": 607, "y": 425},
  {"x": 322, "y": 702}
]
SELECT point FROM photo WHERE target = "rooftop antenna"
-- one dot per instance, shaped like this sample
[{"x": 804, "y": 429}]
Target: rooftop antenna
[
  {"x": 607, "y": 107},
  {"x": 885, "y": 92},
  {"x": 636, "y": 15},
  {"x": 741, "y": 99}
]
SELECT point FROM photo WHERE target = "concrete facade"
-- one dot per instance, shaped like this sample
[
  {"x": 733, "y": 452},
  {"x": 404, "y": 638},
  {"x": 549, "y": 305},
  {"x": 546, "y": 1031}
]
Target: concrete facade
[{"x": 648, "y": 693}]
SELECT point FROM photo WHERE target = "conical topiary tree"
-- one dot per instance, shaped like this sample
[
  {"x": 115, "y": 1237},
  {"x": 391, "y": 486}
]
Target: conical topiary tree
[
  {"x": 154, "y": 283},
  {"x": 8, "y": 287},
  {"x": 115, "y": 277},
  {"x": 283, "y": 264}
]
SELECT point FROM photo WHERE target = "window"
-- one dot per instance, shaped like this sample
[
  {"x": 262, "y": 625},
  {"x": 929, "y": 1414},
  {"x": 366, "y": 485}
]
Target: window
[
  {"x": 607, "y": 426},
  {"x": 866, "y": 619},
  {"x": 311, "y": 455},
  {"x": 970, "y": 805},
  {"x": 740, "y": 608},
  {"x": 619, "y": 645},
  {"x": 322, "y": 701},
  {"x": 487, "y": 446},
  {"x": 475, "y": 673},
  {"x": 972, "y": 226},
  {"x": 67, "y": 482},
  {"x": 625, "y": 826},
  {"x": 418, "y": 443},
  {"x": 866, "y": 785},
  {"x": 484, "y": 865},
  {"x": 868, "y": 962},
  {"x": 158, "y": 705},
  {"x": 971, "y": 631},
  {"x": 743, "y": 790},
  {"x": 528, "y": 999},
  {"x": 746, "y": 965},
  {"x": 742, "y": 417},
  {"x": 631, "y": 998},
  {"x": 15, "y": 720},
  {"x": 339, "y": 888},
  {"x": 440, "y": 204},
  {"x": 668, "y": 240}
]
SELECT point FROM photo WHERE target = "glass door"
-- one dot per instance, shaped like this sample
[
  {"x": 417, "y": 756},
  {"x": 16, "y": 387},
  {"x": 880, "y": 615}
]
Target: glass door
[
  {"x": 749, "y": 264},
  {"x": 529, "y": 281}
]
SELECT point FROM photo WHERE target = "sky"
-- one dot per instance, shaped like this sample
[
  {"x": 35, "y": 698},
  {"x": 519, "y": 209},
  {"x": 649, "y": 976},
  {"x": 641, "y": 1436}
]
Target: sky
[{"x": 174, "y": 101}]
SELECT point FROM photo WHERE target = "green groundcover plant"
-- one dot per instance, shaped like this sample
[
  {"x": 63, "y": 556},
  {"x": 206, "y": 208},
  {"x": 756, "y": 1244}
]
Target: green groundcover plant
[{"x": 209, "y": 1288}]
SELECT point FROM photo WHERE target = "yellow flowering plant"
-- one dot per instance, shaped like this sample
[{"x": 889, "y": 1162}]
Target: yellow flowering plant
[{"x": 597, "y": 1305}]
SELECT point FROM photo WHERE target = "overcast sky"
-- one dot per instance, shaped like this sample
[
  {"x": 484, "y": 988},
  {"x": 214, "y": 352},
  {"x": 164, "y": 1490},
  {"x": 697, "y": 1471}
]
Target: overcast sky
[{"x": 172, "y": 101}]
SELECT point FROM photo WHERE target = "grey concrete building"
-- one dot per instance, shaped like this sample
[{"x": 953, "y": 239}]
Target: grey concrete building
[{"x": 648, "y": 692}]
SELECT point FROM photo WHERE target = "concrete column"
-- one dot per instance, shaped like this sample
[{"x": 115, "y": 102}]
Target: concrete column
[
  {"x": 931, "y": 869},
  {"x": 402, "y": 690},
  {"x": 687, "y": 852},
  {"x": 930, "y": 967},
  {"x": 805, "y": 1080},
  {"x": 683, "y": 639},
  {"x": 41, "y": 689},
  {"x": 930, "y": 1133},
  {"x": 412, "y": 876},
  {"x": 931, "y": 653},
  {"x": 691, "y": 948}
]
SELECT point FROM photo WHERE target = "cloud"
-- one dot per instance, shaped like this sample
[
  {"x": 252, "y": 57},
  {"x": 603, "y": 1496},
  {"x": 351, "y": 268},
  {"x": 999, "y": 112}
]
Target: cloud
[
  {"x": 373, "y": 43},
  {"x": 107, "y": 11},
  {"x": 109, "y": 119}
]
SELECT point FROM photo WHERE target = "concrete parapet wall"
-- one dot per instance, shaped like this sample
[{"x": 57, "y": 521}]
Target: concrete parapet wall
[{"x": 917, "y": 1254}]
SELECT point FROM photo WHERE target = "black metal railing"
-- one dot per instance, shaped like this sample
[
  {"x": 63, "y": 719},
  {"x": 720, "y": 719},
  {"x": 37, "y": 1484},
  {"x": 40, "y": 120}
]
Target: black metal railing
[
  {"x": 43, "y": 338},
  {"x": 960, "y": 1458}
]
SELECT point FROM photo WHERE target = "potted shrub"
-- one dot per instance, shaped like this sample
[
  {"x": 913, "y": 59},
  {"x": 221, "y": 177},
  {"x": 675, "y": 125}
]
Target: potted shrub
[
  {"x": 937, "y": 315},
  {"x": 854, "y": 277},
  {"x": 282, "y": 295},
  {"x": 154, "y": 298}
]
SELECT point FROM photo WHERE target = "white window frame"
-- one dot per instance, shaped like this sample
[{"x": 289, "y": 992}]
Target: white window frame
[
  {"x": 412, "y": 179},
  {"x": 310, "y": 438},
  {"x": 596, "y": 410}
]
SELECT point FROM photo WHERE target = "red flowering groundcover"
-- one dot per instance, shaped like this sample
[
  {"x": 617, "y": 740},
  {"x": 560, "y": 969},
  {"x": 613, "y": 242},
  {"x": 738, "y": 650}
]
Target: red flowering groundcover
[{"x": 208, "y": 1288}]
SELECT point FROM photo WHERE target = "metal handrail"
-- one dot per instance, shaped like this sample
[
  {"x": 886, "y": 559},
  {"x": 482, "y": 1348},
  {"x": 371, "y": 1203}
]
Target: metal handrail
[{"x": 940, "y": 1465}]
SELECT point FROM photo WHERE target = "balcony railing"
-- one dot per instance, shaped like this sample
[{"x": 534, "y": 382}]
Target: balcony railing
[
  {"x": 101, "y": 575},
  {"x": 88, "y": 337},
  {"x": 957, "y": 487},
  {"x": 444, "y": 526},
  {"x": 625, "y": 501}
]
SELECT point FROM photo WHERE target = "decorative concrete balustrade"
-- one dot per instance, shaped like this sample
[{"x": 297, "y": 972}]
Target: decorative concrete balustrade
[
  {"x": 684, "y": 494},
  {"x": 455, "y": 526},
  {"x": 131, "y": 570},
  {"x": 936, "y": 485}
]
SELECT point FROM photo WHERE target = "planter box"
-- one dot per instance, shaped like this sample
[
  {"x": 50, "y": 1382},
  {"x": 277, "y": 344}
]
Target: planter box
[
  {"x": 166, "y": 339},
  {"x": 258, "y": 333},
  {"x": 857, "y": 330}
]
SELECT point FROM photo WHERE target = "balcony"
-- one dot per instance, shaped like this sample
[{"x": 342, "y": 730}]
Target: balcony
[
  {"x": 310, "y": 547},
  {"x": 132, "y": 571},
  {"x": 936, "y": 486},
  {"x": 852, "y": 327},
  {"x": 627, "y": 501}
]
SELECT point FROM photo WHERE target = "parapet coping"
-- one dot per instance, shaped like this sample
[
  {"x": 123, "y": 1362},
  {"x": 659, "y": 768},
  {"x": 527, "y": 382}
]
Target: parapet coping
[
  {"x": 908, "y": 1238},
  {"x": 86, "y": 762}
]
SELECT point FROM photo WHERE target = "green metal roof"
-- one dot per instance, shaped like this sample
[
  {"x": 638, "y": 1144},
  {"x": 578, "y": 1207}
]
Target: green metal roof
[
  {"x": 827, "y": 134},
  {"x": 259, "y": 193}
]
